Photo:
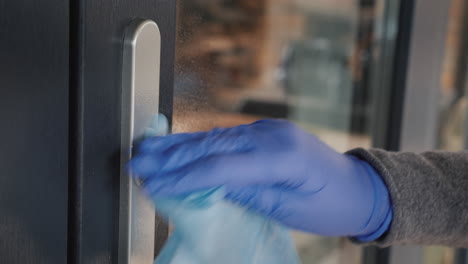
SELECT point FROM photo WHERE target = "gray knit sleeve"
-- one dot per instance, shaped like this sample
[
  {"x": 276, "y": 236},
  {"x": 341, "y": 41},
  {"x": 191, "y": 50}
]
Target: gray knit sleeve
[{"x": 429, "y": 193}]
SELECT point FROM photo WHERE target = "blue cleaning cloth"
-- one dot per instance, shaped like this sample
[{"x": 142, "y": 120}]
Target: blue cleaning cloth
[{"x": 210, "y": 230}]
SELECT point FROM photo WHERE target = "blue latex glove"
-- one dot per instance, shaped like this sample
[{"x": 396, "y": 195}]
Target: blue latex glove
[{"x": 275, "y": 168}]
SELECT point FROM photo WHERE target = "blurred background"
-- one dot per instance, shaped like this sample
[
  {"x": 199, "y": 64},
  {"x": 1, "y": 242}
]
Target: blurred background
[
  {"x": 319, "y": 63},
  {"x": 388, "y": 74}
]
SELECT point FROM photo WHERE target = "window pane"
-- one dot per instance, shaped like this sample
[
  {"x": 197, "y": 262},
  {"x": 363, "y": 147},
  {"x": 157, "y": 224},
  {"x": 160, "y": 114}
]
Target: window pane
[{"x": 303, "y": 60}]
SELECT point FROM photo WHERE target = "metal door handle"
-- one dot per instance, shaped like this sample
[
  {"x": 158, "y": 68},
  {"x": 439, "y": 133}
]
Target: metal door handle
[{"x": 140, "y": 102}]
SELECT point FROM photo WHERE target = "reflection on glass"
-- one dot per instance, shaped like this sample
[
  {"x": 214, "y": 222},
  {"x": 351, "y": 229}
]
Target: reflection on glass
[{"x": 302, "y": 60}]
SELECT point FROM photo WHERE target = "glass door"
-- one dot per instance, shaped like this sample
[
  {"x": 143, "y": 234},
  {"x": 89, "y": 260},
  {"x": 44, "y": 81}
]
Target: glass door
[{"x": 308, "y": 61}]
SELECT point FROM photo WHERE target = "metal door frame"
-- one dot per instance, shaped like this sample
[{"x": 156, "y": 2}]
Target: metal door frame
[
  {"x": 97, "y": 31},
  {"x": 408, "y": 66},
  {"x": 406, "y": 109},
  {"x": 419, "y": 120},
  {"x": 393, "y": 29}
]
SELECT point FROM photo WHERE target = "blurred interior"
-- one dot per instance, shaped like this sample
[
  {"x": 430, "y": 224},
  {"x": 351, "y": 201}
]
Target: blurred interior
[
  {"x": 238, "y": 61},
  {"x": 309, "y": 61}
]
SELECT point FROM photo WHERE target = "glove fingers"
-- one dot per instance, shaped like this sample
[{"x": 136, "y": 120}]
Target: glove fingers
[
  {"x": 181, "y": 155},
  {"x": 236, "y": 170},
  {"x": 162, "y": 143},
  {"x": 185, "y": 149},
  {"x": 156, "y": 152}
]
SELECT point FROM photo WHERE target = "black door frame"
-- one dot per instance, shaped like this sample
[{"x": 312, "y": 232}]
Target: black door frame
[
  {"x": 390, "y": 63},
  {"x": 96, "y": 44}
]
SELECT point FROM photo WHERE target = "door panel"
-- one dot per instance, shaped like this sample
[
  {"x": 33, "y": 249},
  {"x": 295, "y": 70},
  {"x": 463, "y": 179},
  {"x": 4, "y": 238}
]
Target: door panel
[
  {"x": 34, "y": 131},
  {"x": 100, "y": 27}
]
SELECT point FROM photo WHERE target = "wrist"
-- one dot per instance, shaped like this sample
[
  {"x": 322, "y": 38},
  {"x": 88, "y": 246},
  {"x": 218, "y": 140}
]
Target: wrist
[{"x": 381, "y": 216}]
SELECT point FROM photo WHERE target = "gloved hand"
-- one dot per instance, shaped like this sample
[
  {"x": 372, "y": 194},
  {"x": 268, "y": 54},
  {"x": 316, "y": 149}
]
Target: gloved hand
[{"x": 276, "y": 169}]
